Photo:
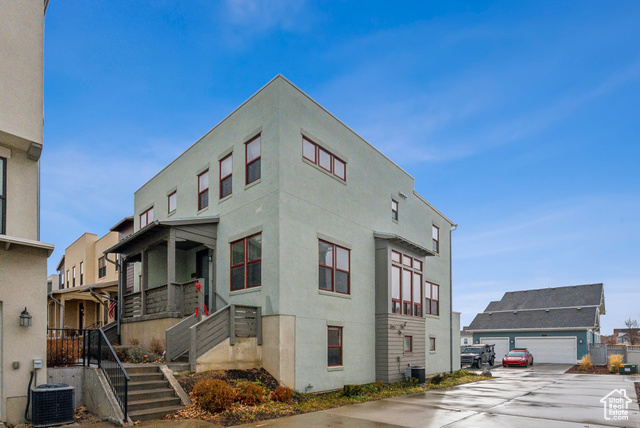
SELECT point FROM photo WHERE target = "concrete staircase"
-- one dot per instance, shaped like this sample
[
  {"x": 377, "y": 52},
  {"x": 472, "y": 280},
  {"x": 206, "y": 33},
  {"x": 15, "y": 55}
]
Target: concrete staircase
[{"x": 150, "y": 395}]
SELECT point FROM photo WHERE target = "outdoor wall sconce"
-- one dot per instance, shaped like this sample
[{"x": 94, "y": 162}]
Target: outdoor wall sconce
[
  {"x": 512, "y": 341},
  {"x": 581, "y": 341},
  {"x": 25, "y": 318}
]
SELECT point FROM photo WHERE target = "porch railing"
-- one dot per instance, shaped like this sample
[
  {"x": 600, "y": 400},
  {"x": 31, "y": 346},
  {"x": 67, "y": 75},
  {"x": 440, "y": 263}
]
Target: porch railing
[
  {"x": 65, "y": 347},
  {"x": 132, "y": 305},
  {"x": 156, "y": 300}
]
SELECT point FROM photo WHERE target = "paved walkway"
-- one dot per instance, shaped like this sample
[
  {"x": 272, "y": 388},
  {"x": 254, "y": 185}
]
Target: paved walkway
[{"x": 540, "y": 396}]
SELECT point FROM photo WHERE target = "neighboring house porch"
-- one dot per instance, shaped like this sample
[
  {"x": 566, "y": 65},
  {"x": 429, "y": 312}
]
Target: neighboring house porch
[{"x": 83, "y": 307}]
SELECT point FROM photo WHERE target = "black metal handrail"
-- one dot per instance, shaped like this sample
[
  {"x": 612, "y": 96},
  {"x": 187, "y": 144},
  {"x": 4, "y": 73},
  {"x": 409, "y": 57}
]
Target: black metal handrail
[{"x": 100, "y": 352}]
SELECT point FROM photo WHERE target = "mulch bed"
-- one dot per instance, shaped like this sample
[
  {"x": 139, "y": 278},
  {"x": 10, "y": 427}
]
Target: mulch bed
[
  {"x": 592, "y": 370},
  {"x": 188, "y": 381}
]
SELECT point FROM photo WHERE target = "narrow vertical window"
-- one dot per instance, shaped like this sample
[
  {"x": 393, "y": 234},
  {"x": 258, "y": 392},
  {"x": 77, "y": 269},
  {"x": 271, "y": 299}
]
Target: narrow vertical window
[
  {"x": 146, "y": 217},
  {"x": 334, "y": 268},
  {"x": 81, "y": 273},
  {"x": 68, "y": 278},
  {"x": 172, "y": 200},
  {"x": 394, "y": 209},
  {"x": 246, "y": 263},
  {"x": 406, "y": 285},
  {"x": 253, "y": 160},
  {"x": 417, "y": 294},
  {"x": 427, "y": 298},
  {"x": 396, "y": 304},
  {"x": 102, "y": 267},
  {"x": 309, "y": 150},
  {"x": 406, "y": 292},
  {"x": 432, "y": 344},
  {"x": 339, "y": 169},
  {"x": 203, "y": 190},
  {"x": 226, "y": 170},
  {"x": 408, "y": 344},
  {"x": 3, "y": 196},
  {"x": 435, "y": 235},
  {"x": 435, "y": 299},
  {"x": 334, "y": 342},
  {"x": 74, "y": 276}
]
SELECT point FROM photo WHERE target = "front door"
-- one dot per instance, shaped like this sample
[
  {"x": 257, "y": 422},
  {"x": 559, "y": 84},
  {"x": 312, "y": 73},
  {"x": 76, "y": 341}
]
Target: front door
[{"x": 202, "y": 271}]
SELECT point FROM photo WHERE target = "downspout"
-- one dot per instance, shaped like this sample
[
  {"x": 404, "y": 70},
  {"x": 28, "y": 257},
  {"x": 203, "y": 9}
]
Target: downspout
[
  {"x": 59, "y": 304},
  {"x": 455, "y": 226}
]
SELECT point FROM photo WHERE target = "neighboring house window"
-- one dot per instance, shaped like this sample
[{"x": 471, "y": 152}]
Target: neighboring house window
[
  {"x": 435, "y": 235},
  {"x": 432, "y": 299},
  {"x": 102, "y": 267},
  {"x": 334, "y": 351},
  {"x": 432, "y": 344},
  {"x": 3, "y": 196},
  {"x": 171, "y": 202},
  {"x": 67, "y": 278},
  {"x": 226, "y": 170},
  {"x": 61, "y": 280},
  {"x": 246, "y": 261},
  {"x": 406, "y": 284},
  {"x": 408, "y": 344},
  {"x": 394, "y": 209},
  {"x": 324, "y": 159},
  {"x": 81, "y": 273},
  {"x": 334, "y": 270},
  {"x": 146, "y": 217},
  {"x": 74, "y": 275},
  {"x": 203, "y": 190},
  {"x": 252, "y": 156}
]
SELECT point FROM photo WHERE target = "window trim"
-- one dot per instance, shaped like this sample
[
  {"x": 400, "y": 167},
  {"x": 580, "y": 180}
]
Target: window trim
[
  {"x": 81, "y": 273},
  {"x": 431, "y": 338},
  {"x": 67, "y": 278},
  {"x": 202, "y": 191},
  {"x": 102, "y": 270},
  {"x": 332, "y": 159},
  {"x": 3, "y": 196},
  {"x": 245, "y": 263},
  {"x": 395, "y": 213},
  {"x": 73, "y": 277},
  {"x": 175, "y": 193},
  {"x": 335, "y": 269},
  {"x": 339, "y": 328},
  {"x": 221, "y": 178},
  {"x": 435, "y": 241},
  {"x": 145, "y": 214},
  {"x": 430, "y": 299},
  {"x": 247, "y": 163},
  {"x": 404, "y": 350},
  {"x": 407, "y": 307}
]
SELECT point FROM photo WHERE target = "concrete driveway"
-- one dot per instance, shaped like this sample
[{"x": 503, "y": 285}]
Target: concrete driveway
[{"x": 539, "y": 396}]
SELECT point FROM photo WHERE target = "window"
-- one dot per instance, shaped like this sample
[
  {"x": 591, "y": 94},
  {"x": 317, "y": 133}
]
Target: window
[
  {"x": 406, "y": 285},
  {"x": 334, "y": 349},
  {"x": 74, "y": 275},
  {"x": 334, "y": 268},
  {"x": 408, "y": 344},
  {"x": 146, "y": 217},
  {"x": 394, "y": 209},
  {"x": 246, "y": 261},
  {"x": 67, "y": 278},
  {"x": 324, "y": 159},
  {"x": 252, "y": 156},
  {"x": 3, "y": 196},
  {"x": 432, "y": 298},
  {"x": 432, "y": 344},
  {"x": 81, "y": 273},
  {"x": 171, "y": 202},
  {"x": 203, "y": 190},
  {"x": 225, "y": 176},
  {"x": 102, "y": 267},
  {"x": 435, "y": 235}
]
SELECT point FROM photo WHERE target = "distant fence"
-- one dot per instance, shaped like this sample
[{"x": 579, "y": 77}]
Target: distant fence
[{"x": 600, "y": 353}]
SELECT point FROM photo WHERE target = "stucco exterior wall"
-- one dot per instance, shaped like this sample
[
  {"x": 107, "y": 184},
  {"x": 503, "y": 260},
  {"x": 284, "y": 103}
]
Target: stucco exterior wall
[
  {"x": 145, "y": 331},
  {"x": 22, "y": 191},
  {"x": 244, "y": 354},
  {"x": 581, "y": 335}
]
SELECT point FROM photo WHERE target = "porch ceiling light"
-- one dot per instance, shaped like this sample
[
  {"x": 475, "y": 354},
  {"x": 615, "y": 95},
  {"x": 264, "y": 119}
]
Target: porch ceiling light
[{"x": 25, "y": 318}]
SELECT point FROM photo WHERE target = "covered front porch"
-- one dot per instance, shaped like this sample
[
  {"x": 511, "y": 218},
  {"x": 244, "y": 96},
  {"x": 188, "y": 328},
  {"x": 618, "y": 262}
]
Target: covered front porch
[{"x": 84, "y": 307}]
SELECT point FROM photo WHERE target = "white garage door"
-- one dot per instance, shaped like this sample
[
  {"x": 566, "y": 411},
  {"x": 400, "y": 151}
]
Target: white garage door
[
  {"x": 559, "y": 350},
  {"x": 501, "y": 345}
]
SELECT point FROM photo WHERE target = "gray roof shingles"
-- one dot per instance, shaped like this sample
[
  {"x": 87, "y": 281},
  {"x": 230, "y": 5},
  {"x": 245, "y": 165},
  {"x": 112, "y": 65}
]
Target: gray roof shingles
[
  {"x": 537, "y": 319},
  {"x": 545, "y": 298}
]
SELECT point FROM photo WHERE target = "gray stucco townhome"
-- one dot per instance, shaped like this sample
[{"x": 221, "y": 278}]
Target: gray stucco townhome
[
  {"x": 317, "y": 258},
  {"x": 556, "y": 324}
]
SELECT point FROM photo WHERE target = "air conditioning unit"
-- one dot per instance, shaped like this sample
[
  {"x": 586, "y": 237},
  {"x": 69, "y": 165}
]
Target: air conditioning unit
[{"x": 52, "y": 404}]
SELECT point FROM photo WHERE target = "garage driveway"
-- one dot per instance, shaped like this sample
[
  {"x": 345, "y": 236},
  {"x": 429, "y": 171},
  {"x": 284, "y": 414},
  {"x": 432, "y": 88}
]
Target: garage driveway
[{"x": 539, "y": 396}]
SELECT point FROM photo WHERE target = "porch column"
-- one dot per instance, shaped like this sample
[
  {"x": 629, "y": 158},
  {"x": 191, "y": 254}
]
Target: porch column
[
  {"x": 122, "y": 289},
  {"x": 145, "y": 281},
  {"x": 171, "y": 272}
]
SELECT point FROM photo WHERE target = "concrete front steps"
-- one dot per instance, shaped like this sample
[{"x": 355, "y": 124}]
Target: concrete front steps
[{"x": 150, "y": 394}]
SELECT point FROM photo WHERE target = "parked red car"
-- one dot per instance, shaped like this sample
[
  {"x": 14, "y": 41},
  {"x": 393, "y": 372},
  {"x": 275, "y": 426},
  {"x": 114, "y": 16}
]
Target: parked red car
[{"x": 518, "y": 357}]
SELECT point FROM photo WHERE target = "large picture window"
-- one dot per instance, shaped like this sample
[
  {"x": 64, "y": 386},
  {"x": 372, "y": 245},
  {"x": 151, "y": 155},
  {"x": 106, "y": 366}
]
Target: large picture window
[
  {"x": 246, "y": 261},
  {"x": 432, "y": 299},
  {"x": 203, "y": 190},
  {"x": 406, "y": 285},
  {"x": 334, "y": 268},
  {"x": 334, "y": 342},
  {"x": 226, "y": 170},
  {"x": 146, "y": 217},
  {"x": 3, "y": 196},
  {"x": 253, "y": 160},
  {"x": 324, "y": 159}
]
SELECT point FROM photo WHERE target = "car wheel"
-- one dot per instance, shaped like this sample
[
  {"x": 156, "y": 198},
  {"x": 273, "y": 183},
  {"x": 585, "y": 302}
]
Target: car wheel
[
  {"x": 532, "y": 361},
  {"x": 492, "y": 361},
  {"x": 526, "y": 364}
]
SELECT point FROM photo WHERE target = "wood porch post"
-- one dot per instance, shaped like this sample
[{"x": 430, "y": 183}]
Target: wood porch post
[{"x": 171, "y": 271}]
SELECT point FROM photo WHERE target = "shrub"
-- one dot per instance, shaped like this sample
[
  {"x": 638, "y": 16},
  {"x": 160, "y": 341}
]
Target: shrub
[
  {"x": 134, "y": 342},
  {"x": 372, "y": 388},
  {"x": 615, "y": 360},
  {"x": 437, "y": 379},
  {"x": 585, "y": 362},
  {"x": 121, "y": 352},
  {"x": 63, "y": 352},
  {"x": 156, "y": 346},
  {"x": 213, "y": 395},
  {"x": 282, "y": 394},
  {"x": 352, "y": 390},
  {"x": 249, "y": 393}
]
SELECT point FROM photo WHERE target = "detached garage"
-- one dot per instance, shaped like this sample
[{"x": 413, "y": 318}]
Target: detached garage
[{"x": 553, "y": 323}]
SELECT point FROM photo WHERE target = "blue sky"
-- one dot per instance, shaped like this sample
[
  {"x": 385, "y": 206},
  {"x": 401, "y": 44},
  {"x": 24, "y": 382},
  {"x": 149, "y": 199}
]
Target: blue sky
[{"x": 519, "y": 120}]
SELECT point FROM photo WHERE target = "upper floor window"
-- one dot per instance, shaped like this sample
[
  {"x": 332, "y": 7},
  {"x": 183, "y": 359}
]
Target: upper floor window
[
  {"x": 146, "y": 217},
  {"x": 81, "y": 273},
  {"x": 226, "y": 171},
  {"x": 246, "y": 261},
  {"x": 203, "y": 190},
  {"x": 432, "y": 299},
  {"x": 435, "y": 235},
  {"x": 67, "y": 278},
  {"x": 406, "y": 284},
  {"x": 74, "y": 275},
  {"x": 3, "y": 196},
  {"x": 324, "y": 159},
  {"x": 102, "y": 267},
  {"x": 334, "y": 268},
  {"x": 334, "y": 342},
  {"x": 253, "y": 156},
  {"x": 394, "y": 209},
  {"x": 171, "y": 202}
]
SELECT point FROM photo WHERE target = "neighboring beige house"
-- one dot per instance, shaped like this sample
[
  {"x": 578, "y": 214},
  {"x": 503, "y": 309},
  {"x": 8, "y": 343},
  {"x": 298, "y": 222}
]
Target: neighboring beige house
[
  {"x": 23, "y": 258},
  {"x": 86, "y": 283}
]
